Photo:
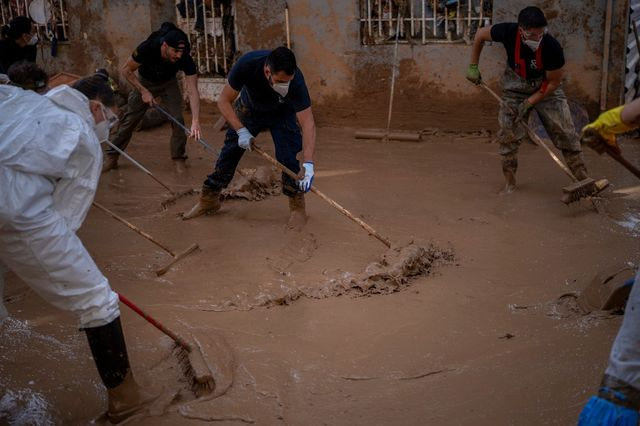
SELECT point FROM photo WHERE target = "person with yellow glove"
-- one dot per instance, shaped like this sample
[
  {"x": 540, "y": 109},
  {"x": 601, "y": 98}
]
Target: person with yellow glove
[{"x": 603, "y": 131}]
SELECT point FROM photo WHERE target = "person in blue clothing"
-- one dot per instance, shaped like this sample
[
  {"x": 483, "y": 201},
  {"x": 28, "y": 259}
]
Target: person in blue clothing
[{"x": 273, "y": 96}]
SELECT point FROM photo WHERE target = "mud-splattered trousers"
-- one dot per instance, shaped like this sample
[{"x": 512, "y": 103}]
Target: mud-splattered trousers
[
  {"x": 287, "y": 139},
  {"x": 170, "y": 99},
  {"x": 555, "y": 115}
]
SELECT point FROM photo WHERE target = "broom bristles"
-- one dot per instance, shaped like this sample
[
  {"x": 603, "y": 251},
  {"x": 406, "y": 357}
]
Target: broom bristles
[{"x": 195, "y": 370}]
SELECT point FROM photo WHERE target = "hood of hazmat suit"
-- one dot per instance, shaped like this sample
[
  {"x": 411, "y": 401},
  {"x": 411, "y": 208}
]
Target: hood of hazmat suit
[{"x": 50, "y": 136}]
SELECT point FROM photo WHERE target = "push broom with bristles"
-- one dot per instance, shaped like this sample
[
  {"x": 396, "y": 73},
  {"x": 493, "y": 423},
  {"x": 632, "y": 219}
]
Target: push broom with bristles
[
  {"x": 579, "y": 189},
  {"x": 189, "y": 356}
]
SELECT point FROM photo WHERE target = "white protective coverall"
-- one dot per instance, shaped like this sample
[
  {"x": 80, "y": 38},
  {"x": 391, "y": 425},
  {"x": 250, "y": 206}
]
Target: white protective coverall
[
  {"x": 50, "y": 161},
  {"x": 624, "y": 360}
]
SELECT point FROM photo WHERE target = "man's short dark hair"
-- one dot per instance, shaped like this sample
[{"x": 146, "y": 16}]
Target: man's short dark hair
[
  {"x": 532, "y": 17},
  {"x": 28, "y": 75},
  {"x": 282, "y": 59},
  {"x": 96, "y": 87}
]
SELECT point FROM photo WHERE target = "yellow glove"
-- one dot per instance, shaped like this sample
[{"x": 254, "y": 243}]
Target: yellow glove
[{"x": 604, "y": 130}]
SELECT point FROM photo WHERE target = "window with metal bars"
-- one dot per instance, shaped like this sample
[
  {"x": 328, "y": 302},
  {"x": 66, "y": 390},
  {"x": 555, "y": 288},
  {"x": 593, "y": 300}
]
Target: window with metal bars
[
  {"x": 53, "y": 12},
  {"x": 210, "y": 25},
  {"x": 422, "y": 21}
]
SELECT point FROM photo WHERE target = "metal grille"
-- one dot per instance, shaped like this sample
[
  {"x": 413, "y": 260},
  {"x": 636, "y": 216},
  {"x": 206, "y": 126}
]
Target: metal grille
[
  {"x": 210, "y": 25},
  {"x": 632, "y": 65},
  {"x": 422, "y": 21},
  {"x": 57, "y": 25}
]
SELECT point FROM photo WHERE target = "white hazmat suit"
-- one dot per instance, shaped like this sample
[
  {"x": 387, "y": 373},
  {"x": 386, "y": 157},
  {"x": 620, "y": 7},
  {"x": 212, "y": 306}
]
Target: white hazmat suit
[{"x": 50, "y": 160}]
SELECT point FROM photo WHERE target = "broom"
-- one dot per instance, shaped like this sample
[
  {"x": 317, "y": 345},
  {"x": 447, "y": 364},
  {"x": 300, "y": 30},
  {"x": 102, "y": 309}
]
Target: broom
[
  {"x": 189, "y": 356},
  {"x": 574, "y": 192}
]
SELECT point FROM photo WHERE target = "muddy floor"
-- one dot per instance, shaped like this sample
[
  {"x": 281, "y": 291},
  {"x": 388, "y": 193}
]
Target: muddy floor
[{"x": 477, "y": 339}]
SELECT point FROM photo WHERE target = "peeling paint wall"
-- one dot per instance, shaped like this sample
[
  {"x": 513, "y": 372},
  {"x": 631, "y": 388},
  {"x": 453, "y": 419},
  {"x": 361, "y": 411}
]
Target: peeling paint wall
[
  {"x": 350, "y": 83},
  {"x": 104, "y": 33}
]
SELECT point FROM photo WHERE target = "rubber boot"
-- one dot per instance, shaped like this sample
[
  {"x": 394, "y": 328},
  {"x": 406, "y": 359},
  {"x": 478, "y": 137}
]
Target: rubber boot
[
  {"x": 110, "y": 355},
  {"x": 297, "y": 211},
  {"x": 208, "y": 203},
  {"x": 180, "y": 166},
  {"x": 509, "y": 168},
  {"x": 110, "y": 162}
]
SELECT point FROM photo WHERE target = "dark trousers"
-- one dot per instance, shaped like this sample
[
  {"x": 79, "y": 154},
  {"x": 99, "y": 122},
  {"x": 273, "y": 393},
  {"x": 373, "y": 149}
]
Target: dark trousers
[
  {"x": 170, "y": 100},
  {"x": 287, "y": 139}
]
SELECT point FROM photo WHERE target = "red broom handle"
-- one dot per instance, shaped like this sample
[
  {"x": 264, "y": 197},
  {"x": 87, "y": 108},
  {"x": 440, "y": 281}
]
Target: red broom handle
[{"x": 180, "y": 341}]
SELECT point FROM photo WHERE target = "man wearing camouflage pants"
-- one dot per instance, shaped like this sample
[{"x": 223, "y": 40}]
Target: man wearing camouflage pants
[{"x": 531, "y": 80}]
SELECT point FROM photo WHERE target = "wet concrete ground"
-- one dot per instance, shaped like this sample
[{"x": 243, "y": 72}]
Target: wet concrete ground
[{"x": 478, "y": 341}]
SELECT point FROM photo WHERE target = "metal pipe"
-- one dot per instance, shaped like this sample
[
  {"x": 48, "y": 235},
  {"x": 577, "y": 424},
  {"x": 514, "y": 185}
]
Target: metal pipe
[
  {"x": 435, "y": 19},
  {"x": 224, "y": 42},
  {"x": 64, "y": 29},
  {"x": 458, "y": 18},
  {"x": 481, "y": 12},
  {"x": 393, "y": 76},
  {"x": 286, "y": 25},
  {"x": 215, "y": 36},
  {"x": 186, "y": 9},
  {"x": 390, "y": 17},
  {"x": 424, "y": 24},
  {"x": 206, "y": 36},
  {"x": 605, "y": 56},
  {"x": 469, "y": 16},
  {"x": 413, "y": 32},
  {"x": 369, "y": 17},
  {"x": 379, "y": 17}
]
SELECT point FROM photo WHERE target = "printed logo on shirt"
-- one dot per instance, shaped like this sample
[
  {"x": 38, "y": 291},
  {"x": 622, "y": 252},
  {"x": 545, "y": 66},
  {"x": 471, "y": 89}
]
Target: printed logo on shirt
[{"x": 534, "y": 64}]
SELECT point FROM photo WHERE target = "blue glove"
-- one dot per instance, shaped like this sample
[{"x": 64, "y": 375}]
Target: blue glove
[
  {"x": 244, "y": 138},
  {"x": 600, "y": 412},
  {"x": 307, "y": 181}
]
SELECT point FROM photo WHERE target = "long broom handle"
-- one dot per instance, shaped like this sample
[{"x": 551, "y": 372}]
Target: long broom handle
[
  {"x": 620, "y": 159},
  {"x": 533, "y": 135},
  {"x": 341, "y": 209},
  {"x": 140, "y": 166},
  {"x": 179, "y": 340},
  {"x": 135, "y": 228},
  {"x": 185, "y": 128}
]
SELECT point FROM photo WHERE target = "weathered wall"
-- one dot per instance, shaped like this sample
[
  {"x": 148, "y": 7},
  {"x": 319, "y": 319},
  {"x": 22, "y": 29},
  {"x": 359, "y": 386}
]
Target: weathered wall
[
  {"x": 350, "y": 82},
  {"x": 104, "y": 33}
]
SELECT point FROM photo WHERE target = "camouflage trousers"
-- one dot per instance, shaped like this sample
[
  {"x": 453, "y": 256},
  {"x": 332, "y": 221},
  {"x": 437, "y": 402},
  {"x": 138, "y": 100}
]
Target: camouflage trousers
[{"x": 554, "y": 114}]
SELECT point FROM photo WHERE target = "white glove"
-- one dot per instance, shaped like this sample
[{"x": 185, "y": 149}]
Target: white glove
[
  {"x": 307, "y": 181},
  {"x": 244, "y": 138}
]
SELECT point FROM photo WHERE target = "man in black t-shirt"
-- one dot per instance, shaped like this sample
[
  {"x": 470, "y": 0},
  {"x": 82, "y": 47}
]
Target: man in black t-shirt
[
  {"x": 18, "y": 43},
  {"x": 157, "y": 61},
  {"x": 532, "y": 80},
  {"x": 273, "y": 96}
]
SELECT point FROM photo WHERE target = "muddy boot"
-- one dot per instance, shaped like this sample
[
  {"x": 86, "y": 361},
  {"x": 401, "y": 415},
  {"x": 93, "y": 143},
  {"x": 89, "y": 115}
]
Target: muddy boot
[
  {"x": 110, "y": 355},
  {"x": 180, "y": 166},
  {"x": 208, "y": 203},
  {"x": 127, "y": 399},
  {"x": 110, "y": 162},
  {"x": 509, "y": 168},
  {"x": 297, "y": 212},
  {"x": 576, "y": 164}
]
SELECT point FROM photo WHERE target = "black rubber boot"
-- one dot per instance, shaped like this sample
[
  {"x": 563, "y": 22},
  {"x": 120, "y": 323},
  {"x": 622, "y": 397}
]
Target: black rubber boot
[{"x": 109, "y": 352}]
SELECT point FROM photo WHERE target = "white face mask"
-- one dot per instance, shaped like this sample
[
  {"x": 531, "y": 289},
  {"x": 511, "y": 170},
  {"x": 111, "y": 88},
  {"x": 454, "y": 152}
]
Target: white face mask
[
  {"x": 281, "y": 88},
  {"x": 103, "y": 128},
  {"x": 533, "y": 44},
  {"x": 102, "y": 131},
  {"x": 34, "y": 40}
]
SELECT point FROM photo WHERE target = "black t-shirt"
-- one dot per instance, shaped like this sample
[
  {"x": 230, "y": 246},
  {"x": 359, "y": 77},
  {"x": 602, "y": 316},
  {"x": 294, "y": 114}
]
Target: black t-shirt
[
  {"x": 156, "y": 69},
  {"x": 550, "y": 54},
  {"x": 11, "y": 53},
  {"x": 247, "y": 77}
]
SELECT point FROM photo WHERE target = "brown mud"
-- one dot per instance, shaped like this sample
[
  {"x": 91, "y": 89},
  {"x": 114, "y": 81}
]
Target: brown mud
[{"x": 474, "y": 341}]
